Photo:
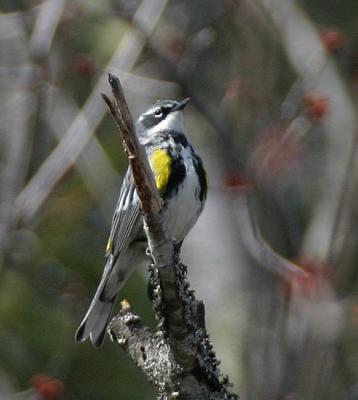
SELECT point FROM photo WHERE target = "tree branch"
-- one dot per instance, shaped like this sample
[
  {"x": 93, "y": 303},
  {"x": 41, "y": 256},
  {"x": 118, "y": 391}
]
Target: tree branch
[
  {"x": 148, "y": 351},
  {"x": 181, "y": 343}
]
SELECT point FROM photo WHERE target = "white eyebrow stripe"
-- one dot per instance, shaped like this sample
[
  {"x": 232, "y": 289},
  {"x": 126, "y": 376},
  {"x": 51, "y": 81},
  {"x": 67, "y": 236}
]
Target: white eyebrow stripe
[{"x": 173, "y": 121}]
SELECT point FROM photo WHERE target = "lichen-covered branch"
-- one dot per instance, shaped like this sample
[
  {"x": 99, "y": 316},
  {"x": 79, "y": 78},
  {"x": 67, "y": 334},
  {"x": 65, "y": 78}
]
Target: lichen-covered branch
[
  {"x": 178, "y": 359},
  {"x": 149, "y": 351}
]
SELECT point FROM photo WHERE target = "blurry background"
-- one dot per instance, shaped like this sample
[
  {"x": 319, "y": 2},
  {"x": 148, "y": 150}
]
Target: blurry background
[{"x": 274, "y": 86}]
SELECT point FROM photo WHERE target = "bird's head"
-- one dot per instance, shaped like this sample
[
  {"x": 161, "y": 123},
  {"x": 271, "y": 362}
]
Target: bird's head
[{"x": 163, "y": 115}]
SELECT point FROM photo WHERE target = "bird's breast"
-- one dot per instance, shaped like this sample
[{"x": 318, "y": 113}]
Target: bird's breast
[{"x": 179, "y": 184}]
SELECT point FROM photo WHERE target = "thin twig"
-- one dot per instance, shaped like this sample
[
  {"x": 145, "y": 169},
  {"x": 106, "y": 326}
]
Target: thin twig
[{"x": 142, "y": 173}]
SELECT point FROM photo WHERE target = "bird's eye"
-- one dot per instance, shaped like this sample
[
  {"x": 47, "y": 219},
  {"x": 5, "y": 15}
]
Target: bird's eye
[{"x": 158, "y": 112}]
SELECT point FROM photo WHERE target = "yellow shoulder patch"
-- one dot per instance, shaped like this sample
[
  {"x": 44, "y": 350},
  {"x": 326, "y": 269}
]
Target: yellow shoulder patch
[{"x": 161, "y": 166}]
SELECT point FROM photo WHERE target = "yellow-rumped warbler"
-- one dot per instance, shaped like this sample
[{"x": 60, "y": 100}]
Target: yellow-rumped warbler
[{"x": 181, "y": 182}]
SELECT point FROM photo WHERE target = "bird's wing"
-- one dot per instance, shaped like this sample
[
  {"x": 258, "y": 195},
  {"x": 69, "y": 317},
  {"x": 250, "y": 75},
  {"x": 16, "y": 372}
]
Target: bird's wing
[{"x": 126, "y": 219}]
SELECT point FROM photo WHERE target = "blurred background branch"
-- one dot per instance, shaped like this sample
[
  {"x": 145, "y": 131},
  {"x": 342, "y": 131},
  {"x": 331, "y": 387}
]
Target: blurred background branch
[{"x": 81, "y": 130}]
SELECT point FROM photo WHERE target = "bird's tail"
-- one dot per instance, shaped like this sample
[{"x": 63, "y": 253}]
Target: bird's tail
[{"x": 95, "y": 322}]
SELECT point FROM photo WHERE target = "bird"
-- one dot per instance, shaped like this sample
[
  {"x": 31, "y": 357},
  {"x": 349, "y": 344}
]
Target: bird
[{"x": 181, "y": 181}]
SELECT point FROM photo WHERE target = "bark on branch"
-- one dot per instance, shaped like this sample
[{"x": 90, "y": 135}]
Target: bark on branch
[{"x": 178, "y": 358}]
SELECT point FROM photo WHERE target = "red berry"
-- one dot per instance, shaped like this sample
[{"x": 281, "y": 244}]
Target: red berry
[
  {"x": 332, "y": 39},
  {"x": 177, "y": 47},
  {"x": 236, "y": 180},
  {"x": 51, "y": 390},
  {"x": 310, "y": 284},
  {"x": 82, "y": 64},
  {"x": 48, "y": 388},
  {"x": 317, "y": 106},
  {"x": 275, "y": 155},
  {"x": 38, "y": 380}
]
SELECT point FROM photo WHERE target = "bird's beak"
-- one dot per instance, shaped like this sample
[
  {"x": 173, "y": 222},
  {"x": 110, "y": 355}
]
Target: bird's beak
[{"x": 180, "y": 105}]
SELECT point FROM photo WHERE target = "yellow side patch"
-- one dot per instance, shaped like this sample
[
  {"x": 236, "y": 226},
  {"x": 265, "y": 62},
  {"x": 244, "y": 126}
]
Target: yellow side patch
[{"x": 161, "y": 166}]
